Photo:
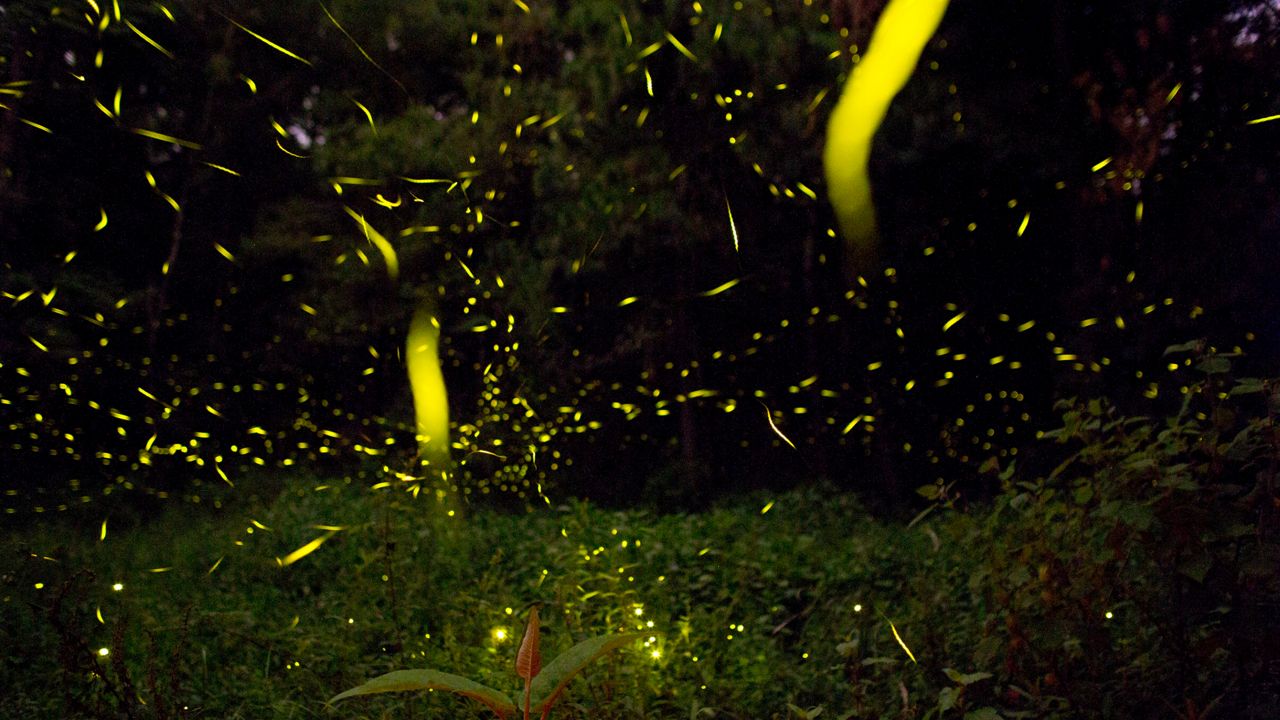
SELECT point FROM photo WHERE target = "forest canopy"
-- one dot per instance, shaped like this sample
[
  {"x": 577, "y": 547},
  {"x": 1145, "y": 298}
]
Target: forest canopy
[{"x": 217, "y": 220}]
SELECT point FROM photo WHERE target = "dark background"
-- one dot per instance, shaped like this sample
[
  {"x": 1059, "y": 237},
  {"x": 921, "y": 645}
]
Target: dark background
[{"x": 124, "y": 383}]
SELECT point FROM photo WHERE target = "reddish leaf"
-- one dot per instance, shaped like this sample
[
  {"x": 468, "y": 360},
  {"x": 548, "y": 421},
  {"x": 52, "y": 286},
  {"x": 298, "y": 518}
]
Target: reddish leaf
[{"x": 529, "y": 659}]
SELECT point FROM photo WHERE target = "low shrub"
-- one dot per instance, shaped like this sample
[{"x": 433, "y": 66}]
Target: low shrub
[{"x": 1137, "y": 578}]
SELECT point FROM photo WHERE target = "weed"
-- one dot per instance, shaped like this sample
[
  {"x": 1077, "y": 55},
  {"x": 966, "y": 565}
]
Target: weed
[{"x": 542, "y": 686}]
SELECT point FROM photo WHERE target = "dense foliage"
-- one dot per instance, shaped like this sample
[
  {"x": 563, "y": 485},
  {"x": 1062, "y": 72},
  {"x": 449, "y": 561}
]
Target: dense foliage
[
  {"x": 1137, "y": 579},
  {"x": 216, "y": 221},
  {"x": 617, "y": 212}
]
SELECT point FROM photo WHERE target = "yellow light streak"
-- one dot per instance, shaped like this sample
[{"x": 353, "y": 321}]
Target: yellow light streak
[
  {"x": 426, "y": 382},
  {"x": 305, "y": 550},
  {"x": 273, "y": 45},
  {"x": 721, "y": 288},
  {"x": 769, "y": 416},
  {"x": 367, "y": 115},
  {"x": 951, "y": 323},
  {"x": 901, "y": 644},
  {"x": 35, "y": 125},
  {"x": 733, "y": 227},
  {"x": 680, "y": 46},
  {"x": 224, "y": 252},
  {"x": 379, "y": 242},
  {"x": 148, "y": 40},
  {"x": 165, "y": 138},
  {"x": 626, "y": 29},
  {"x": 286, "y": 151},
  {"x": 227, "y": 170},
  {"x": 899, "y": 38}
]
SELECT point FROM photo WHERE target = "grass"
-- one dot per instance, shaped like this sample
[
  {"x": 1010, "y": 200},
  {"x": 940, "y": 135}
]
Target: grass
[
  {"x": 748, "y": 612},
  {"x": 1135, "y": 580}
]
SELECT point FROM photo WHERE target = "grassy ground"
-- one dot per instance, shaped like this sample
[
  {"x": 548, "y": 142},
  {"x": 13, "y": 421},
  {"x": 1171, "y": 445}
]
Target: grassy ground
[
  {"x": 1053, "y": 603},
  {"x": 748, "y": 611}
]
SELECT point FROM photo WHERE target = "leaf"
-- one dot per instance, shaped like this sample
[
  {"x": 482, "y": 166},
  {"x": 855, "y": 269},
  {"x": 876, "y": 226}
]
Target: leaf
[
  {"x": 1245, "y": 386},
  {"x": 960, "y": 678},
  {"x": 879, "y": 661},
  {"x": 1083, "y": 494},
  {"x": 529, "y": 659},
  {"x": 1215, "y": 365},
  {"x": 557, "y": 673},
  {"x": 1197, "y": 566},
  {"x": 946, "y": 699},
  {"x": 407, "y": 680},
  {"x": 928, "y": 492},
  {"x": 982, "y": 713},
  {"x": 922, "y": 515}
]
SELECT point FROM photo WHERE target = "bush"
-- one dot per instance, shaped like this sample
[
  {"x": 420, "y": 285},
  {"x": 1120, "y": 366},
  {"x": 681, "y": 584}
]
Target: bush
[{"x": 1139, "y": 577}]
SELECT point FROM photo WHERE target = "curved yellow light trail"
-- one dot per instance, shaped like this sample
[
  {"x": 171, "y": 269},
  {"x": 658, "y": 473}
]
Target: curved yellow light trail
[
  {"x": 900, "y": 36},
  {"x": 430, "y": 402}
]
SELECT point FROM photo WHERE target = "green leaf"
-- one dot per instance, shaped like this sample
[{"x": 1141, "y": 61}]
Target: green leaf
[
  {"x": 946, "y": 699},
  {"x": 879, "y": 661},
  {"x": 405, "y": 680},
  {"x": 1189, "y": 346},
  {"x": 1245, "y": 386},
  {"x": 1197, "y": 566},
  {"x": 960, "y": 678},
  {"x": 1214, "y": 365},
  {"x": 556, "y": 674},
  {"x": 983, "y": 713}
]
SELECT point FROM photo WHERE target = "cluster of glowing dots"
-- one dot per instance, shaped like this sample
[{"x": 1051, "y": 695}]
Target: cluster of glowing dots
[{"x": 522, "y": 431}]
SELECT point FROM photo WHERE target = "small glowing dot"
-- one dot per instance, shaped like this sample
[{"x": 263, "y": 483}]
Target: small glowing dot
[
  {"x": 500, "y": 634},
  {"x": 39, "y": 586},
  {"x": 1109, "y": 615},
  {"x": 857, "y": 607},
  {"x": 508, "y": 611},
  {"x": 639, "y": 611},
  {"x": 118, "y": 587},
  {"x": 655, "y": 653},
  {"x": 104, "y": 652},
  {"x": 351, "y": 621}
]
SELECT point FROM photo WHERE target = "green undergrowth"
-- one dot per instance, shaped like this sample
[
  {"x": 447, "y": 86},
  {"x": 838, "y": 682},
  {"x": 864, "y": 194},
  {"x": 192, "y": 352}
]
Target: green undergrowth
[{"x": 1137, "y": 579}]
